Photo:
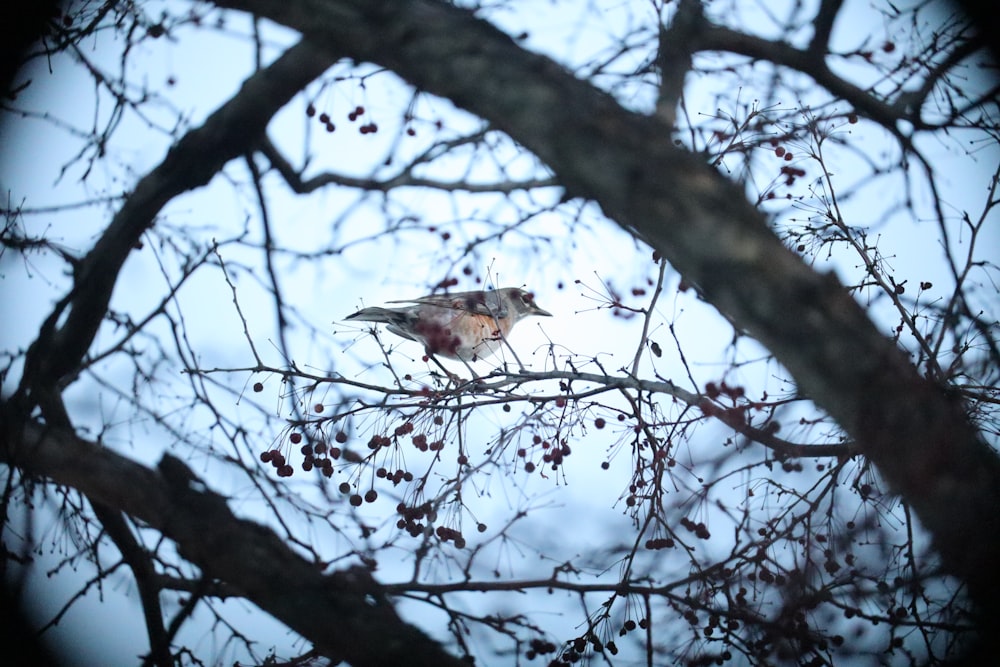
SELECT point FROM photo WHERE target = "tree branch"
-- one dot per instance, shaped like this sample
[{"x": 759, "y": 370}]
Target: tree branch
[
  {"x": 347, "y": 614},
  {"x": 142, "y": 568},
  {"x": 405, "y": 178},
  {"x": 823, "y": 26}
]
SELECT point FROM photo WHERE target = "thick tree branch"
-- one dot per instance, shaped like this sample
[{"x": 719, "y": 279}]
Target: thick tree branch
[
  {"x": 676, "y": 47},
  {"x": 916, "y": 432},
  {"x": 823, "y": 26},
  {"x": 347, "y": 614},
  {"x": 139, "y": 561},
  {"x": 228, "y": 133}
]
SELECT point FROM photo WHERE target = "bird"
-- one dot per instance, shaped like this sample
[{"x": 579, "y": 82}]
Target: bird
[{"x": 463, "y": 326}]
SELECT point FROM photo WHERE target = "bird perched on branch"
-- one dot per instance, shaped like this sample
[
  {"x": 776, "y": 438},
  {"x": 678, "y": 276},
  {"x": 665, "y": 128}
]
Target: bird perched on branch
[{"x": 464, "y": 326}]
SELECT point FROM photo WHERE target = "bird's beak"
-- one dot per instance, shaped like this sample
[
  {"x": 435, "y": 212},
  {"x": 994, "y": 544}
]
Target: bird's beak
[{"x": 535, "y": 310}]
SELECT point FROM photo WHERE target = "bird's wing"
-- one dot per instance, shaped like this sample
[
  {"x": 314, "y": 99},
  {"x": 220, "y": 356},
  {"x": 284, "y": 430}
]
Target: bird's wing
[{"x": 477, "y": 302}]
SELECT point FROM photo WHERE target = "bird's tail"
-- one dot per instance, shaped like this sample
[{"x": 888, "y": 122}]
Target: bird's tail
[{"x": 377, "y": 314}]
